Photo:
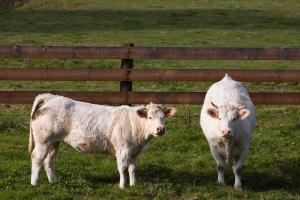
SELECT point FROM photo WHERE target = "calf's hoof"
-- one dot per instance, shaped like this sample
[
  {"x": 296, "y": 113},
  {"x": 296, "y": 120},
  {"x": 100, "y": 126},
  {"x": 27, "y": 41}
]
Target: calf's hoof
[
  {"x": 52, "y": 180},
  {"x": 132, "y": 184},
  {"x": 221, "y": 183},
  {"x": 34, "y": 184},
  {"x": 238, "y": 187},
  {"x": 122, "y": 187}
]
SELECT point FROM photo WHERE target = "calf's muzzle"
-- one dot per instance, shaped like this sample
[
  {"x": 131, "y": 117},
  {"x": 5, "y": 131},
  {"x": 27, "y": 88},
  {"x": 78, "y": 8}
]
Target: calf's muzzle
[
  {"x": 226, "y": 133},
  {"x": 160, "y": 130}
]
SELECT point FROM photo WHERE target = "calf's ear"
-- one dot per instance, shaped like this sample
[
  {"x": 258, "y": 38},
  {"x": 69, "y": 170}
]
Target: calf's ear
[
  {"x": 169, "y": 111},
  {"x": 213, "y": 113},
  {"x": 244, "y": 113},
  {"x": 142, "y": 112}
]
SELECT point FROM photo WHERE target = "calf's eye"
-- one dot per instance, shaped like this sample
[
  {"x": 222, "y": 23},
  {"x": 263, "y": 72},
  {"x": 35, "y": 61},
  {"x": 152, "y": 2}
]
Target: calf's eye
[{"x": 150, "y": 117}]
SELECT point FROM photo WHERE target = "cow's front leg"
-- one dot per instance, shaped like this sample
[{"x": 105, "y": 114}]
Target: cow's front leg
[
  {"x": 122, "y": 160},
  {"x": 237, "y": 170},
  {"x": 131, "y": 171},
  {"x": 221, "y": 163}
]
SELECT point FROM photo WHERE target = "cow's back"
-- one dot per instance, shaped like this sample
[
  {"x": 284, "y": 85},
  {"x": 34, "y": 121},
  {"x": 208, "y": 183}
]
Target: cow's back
[
  {"x": 227, "y": 91},
  {"x": 87, "y": 127}
]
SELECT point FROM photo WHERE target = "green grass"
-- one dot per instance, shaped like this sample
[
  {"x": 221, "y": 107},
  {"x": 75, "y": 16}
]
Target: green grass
[
  {"x": 179, "y": 164},
  {"x": 192, "y": 23},
  {"x": 175, "y": 166}
]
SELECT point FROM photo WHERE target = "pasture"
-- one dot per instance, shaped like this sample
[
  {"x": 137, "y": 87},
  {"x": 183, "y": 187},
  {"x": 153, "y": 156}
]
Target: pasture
[{"x": 179, "y": 164}]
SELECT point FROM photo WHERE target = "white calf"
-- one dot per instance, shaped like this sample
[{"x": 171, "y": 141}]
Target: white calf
[
  {"x": 227, "y": 120},
  {"x": 121, "y": 131}
]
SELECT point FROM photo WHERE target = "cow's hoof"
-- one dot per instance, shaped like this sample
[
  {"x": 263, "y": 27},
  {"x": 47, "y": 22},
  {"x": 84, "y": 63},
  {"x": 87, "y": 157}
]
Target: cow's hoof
[
  {"x": 33, "y": 184},
  {"x": 52, "y": 180},
  {"x": 122, "y": 187},
  {"x": 221, "y": 183},
  {"x": 132, "y": 184},
  {"x": 238, "y": 188}
]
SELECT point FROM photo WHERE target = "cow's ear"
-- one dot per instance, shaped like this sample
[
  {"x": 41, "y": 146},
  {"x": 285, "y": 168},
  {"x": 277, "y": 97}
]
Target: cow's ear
[
  {"x": 169, "y": 111},
  {"x": 142, "y": 112},
  {"x": 213, "y": 113},
  {"x": 244, "y": 113}
]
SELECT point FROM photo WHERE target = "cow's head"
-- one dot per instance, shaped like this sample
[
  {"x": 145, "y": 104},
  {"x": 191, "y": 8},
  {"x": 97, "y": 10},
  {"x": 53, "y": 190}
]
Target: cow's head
[
  {"x": 155, "y": 115},
  {"x": 228, "y": 117}
]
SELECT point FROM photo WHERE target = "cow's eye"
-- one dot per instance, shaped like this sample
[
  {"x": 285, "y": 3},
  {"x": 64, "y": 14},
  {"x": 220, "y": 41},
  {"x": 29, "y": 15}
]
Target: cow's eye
[{"x": 150, "y": 117}]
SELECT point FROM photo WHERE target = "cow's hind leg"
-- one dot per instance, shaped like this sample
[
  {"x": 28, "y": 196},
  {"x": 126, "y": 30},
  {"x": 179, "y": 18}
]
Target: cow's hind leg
[
  {"x": 37, "y": 157},
  {"x": 49, "y": 162}
]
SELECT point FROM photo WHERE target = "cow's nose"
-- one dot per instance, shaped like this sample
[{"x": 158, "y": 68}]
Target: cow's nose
[
  {"x": 161, "y": 130},
  {"x": 226, "y": 133}
]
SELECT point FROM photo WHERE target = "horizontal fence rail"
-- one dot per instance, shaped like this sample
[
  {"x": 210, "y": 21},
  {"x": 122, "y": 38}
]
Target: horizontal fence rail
[
  {"x": 126, "y": 75},
  {"x": 131, "y": 52},
  {"x": 188, "y": 75},
  {"x": 27, "y": 97}
]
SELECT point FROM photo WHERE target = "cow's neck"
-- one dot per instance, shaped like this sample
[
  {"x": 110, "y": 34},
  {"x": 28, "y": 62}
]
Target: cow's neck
[{"x": 225, "y": 147}]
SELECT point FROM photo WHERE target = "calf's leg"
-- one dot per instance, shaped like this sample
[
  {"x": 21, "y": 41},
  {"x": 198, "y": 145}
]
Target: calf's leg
[
  {"x": 131, "y": 171},
  {"x": 37, "y": 157},
  {"x": 49, "y": 162},
  {"x": 237, "y": 169},
  {"x": 122, "y": 161},
  {"x": 221, "y": 168},
  {"x": 221, "y": 162}
]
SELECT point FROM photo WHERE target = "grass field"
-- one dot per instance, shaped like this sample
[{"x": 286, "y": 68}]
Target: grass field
[{"x": 179, "y": 164}]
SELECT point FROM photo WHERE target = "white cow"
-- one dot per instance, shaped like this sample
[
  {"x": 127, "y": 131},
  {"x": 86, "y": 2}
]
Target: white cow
[
  {"x": 120, "y": 131},
  {"x": 227, "y": 119}
]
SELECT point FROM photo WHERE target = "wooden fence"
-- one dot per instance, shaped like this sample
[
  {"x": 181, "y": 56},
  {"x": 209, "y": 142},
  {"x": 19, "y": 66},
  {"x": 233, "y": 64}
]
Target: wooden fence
[{"x": 127, "y": 74}]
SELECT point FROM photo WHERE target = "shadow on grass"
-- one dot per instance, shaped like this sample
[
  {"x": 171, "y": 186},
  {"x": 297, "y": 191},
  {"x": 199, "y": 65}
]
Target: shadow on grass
[
  {"x": 96, "y": 181},
  {"x": 158, "y": 174},
  {"x": 288, "y": 179},
  {"x": 154, "y": 173},
  {"x": 58, "y": 21}
]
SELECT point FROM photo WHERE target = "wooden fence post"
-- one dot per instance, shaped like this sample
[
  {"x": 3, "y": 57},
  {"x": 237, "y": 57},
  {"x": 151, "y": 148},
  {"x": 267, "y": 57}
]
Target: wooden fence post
[{"x": 126, "y": 64}]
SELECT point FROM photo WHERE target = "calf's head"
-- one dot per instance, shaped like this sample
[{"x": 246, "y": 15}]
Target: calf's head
[
  {"x": 154, "y": 115},
  {"x": 228, "y": 118}
]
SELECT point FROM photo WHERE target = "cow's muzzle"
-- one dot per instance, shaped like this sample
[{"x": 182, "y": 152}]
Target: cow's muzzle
[
  {"x": 226, "y": 133},
  {"x": 160, "y": 130}
]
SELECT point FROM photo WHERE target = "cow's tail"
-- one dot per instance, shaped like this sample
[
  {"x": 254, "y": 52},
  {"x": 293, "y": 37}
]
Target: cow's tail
[{"x": 37, "y": 104}]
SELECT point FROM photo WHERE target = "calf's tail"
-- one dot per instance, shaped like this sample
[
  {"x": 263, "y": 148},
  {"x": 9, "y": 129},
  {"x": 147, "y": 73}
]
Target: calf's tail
[
  {"x": 31, "y": 143},
  {"x": 37, "y": 104}
]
